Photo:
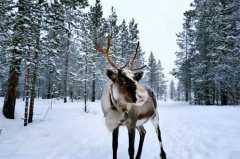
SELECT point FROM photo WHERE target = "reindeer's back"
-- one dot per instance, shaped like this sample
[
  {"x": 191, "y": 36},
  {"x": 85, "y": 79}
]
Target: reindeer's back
[{"x": 152, "y": 95}]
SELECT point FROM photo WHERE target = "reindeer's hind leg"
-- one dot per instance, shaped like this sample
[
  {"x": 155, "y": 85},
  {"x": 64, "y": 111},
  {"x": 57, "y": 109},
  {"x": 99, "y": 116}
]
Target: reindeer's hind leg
[
  {"x": 131, "y": 136},
  {"x": 115, "y": 142},
  {"x": 142, "y": 133},
  {"x": 155, "y": 122}
]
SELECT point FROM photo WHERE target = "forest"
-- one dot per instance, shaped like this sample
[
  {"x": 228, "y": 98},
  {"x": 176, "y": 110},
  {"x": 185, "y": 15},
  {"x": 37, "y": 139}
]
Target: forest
[
  {"x": 62, "y": 80},
  {"x": 208, "y": 59},
  {"x": 48, "y": 50}
]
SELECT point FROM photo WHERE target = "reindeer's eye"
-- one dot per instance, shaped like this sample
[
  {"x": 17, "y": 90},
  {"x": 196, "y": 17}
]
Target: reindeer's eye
[{"x": 123, "y": 79}]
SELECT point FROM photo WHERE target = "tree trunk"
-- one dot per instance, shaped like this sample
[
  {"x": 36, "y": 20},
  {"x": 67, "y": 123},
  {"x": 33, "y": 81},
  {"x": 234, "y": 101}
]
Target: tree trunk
[
  {"x": 38, "y": 88},
  {"x": 19, "y": 30},
  {"x": 224, "y": 97},
  {"x": 49, "y": 88},
  {"x": 26, "y": 90},
  {"x": 11, "y": 95},
  {"x": 65, "y": 78},
  {"x": 85, "y": 83},
  {"x": 93, "y": 87},
  {"x": 207, "y": 96},
  {"x": 66, "y": 64},
  {"x": 71, "y": 94},
  {"x": 85, "y": 95},
  {"x": 35, "y": 69},
  {"x": 33, "y": 89},
  {"x": 33, "y": 95},
  {"x": 186, "y": 95}
]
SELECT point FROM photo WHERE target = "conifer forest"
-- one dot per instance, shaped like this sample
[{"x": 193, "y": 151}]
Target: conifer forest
[{"x": 74, "y": 72}]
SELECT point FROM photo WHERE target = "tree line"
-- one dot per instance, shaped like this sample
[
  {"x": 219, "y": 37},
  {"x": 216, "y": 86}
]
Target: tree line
[
  {"x": 47, "y": 50},
  {"x": 208, "y": 59}
]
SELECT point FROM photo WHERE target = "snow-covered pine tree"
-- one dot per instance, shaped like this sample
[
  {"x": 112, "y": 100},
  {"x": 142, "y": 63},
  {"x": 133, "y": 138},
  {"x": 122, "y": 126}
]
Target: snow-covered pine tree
[
  {"x": 70, "y": 14},
  {"x": 152, "y": 73},
  {"x": 6, "y": 18},
  {"x": 124, "y": 42},
  {"x": 60, "y": 25},
  {"x": 180, "y": 92},
  {"x": 113, "y": 31},
  {"x": 227, "y": 52},
  {"x": 185, "y": 41},
  {"x": 58, "y": 46},
  {"x": 162, "y": 86},
  {"x": 86, "y": 50},
  {"x": 97, "y": 37},
  {"x": 19, "y": 44},
  {"x": 172, "y": 90},
  {"x": 36, "y": 27},
  {"x": 214, "y": 51},
  {"x": 54, "y": 45},
  {"x": 133, "y": 39}
]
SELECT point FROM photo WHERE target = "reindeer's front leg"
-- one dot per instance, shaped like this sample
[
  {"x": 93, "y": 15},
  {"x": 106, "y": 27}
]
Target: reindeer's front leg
[
  {"x": 131, "y": 135},
  {"x": 115, "y": 142},
  {"x": 142, "y": 133}
]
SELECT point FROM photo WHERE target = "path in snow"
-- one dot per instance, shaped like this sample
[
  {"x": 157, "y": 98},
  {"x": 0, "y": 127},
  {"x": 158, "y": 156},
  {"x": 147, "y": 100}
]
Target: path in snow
[{"x": 188, "y": 132}]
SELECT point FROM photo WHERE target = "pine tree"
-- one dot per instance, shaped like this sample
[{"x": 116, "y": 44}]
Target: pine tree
[
  {"x": 152, "y": 73},
  {"x": 210, "y": 31},
  {"x": 57, "y": 56},
  {"x": 133, "y": 39},
  {"x": 37, "y": 16},
  {"x": 113, "y": 31},
  {"x": 6, "y": 19},
  {"x": 172, "y": 90},
  {"x": 186, "y": 41},
  {"x": 162, "y": 87},
  {"x": 180, "y": 92},
  {"x": 124, "y": 41},
  {"x": 96, "y": 22},
  {"x": 19, "y": 43}
]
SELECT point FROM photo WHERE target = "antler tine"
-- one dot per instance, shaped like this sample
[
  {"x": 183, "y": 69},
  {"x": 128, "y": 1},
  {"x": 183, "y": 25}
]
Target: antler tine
[
  {"x": 131, "y": 62},
  {"x": 124, "y": 66},
  {"x": 140, "y": 68},
  {"x": 134, "y": 58},
  {"x": 106, "y": 53}
]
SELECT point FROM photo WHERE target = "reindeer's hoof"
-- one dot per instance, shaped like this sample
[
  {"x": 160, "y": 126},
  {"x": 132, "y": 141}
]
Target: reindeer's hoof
[
  {"x": 138, "y": 157},
  {"x": 163, "y": 155}
]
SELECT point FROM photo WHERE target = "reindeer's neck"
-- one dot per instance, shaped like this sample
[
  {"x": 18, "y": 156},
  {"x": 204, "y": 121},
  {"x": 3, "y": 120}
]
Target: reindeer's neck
[{"x": 113, "y": 101}]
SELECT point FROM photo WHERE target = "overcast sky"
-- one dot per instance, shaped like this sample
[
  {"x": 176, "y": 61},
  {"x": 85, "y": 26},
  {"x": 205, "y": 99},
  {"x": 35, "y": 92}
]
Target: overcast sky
[{"x": 158, "y": 22}]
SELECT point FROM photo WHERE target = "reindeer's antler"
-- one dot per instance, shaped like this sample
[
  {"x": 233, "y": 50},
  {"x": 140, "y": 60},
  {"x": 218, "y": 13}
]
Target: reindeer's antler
[
  {"x": 105, "y": 52},
  {"x": 131, "y": 62},
  {"x": 139, "y": 68}
]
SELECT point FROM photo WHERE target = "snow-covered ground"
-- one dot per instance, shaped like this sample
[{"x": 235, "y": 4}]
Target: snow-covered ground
[{"x": 66, "y": 132}]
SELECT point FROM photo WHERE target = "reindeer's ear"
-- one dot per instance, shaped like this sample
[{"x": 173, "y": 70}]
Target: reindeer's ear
[
  {"x": 111, "y": 75},
  {"x": 138, "y": 76}
]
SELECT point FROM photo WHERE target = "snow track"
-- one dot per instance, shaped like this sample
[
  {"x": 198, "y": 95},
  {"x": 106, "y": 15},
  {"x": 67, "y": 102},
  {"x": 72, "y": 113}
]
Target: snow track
[{"x": 188, "y": 132}]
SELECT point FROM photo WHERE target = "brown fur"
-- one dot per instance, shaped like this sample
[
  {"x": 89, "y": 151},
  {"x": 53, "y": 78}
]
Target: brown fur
[
  {"x": 127, "y": 87},
  {"x": 133, "y": 103}
]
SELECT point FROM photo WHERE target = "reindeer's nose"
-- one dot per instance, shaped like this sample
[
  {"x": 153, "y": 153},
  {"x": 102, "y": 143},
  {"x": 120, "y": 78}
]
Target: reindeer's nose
[{"x": 134, "y": 99}]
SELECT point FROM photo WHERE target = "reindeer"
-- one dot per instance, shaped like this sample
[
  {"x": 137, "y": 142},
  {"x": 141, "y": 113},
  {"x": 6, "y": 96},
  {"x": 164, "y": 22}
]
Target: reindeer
[{"x": 127, "y": 103}]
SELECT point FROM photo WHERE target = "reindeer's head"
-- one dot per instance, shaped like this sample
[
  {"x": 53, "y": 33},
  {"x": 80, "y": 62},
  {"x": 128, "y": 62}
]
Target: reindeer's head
[{"x": 124, "y": 79}]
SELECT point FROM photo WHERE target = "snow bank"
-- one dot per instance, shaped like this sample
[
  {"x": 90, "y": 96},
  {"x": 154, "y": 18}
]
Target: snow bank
[{"x": 66, "y": 132}]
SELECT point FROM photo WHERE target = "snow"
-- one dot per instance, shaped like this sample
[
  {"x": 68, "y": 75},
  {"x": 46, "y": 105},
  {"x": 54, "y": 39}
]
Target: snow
[{"x": 66, "y": 132}]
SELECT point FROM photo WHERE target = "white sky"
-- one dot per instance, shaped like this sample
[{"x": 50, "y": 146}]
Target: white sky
[{"x": 158, "y": 22}]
